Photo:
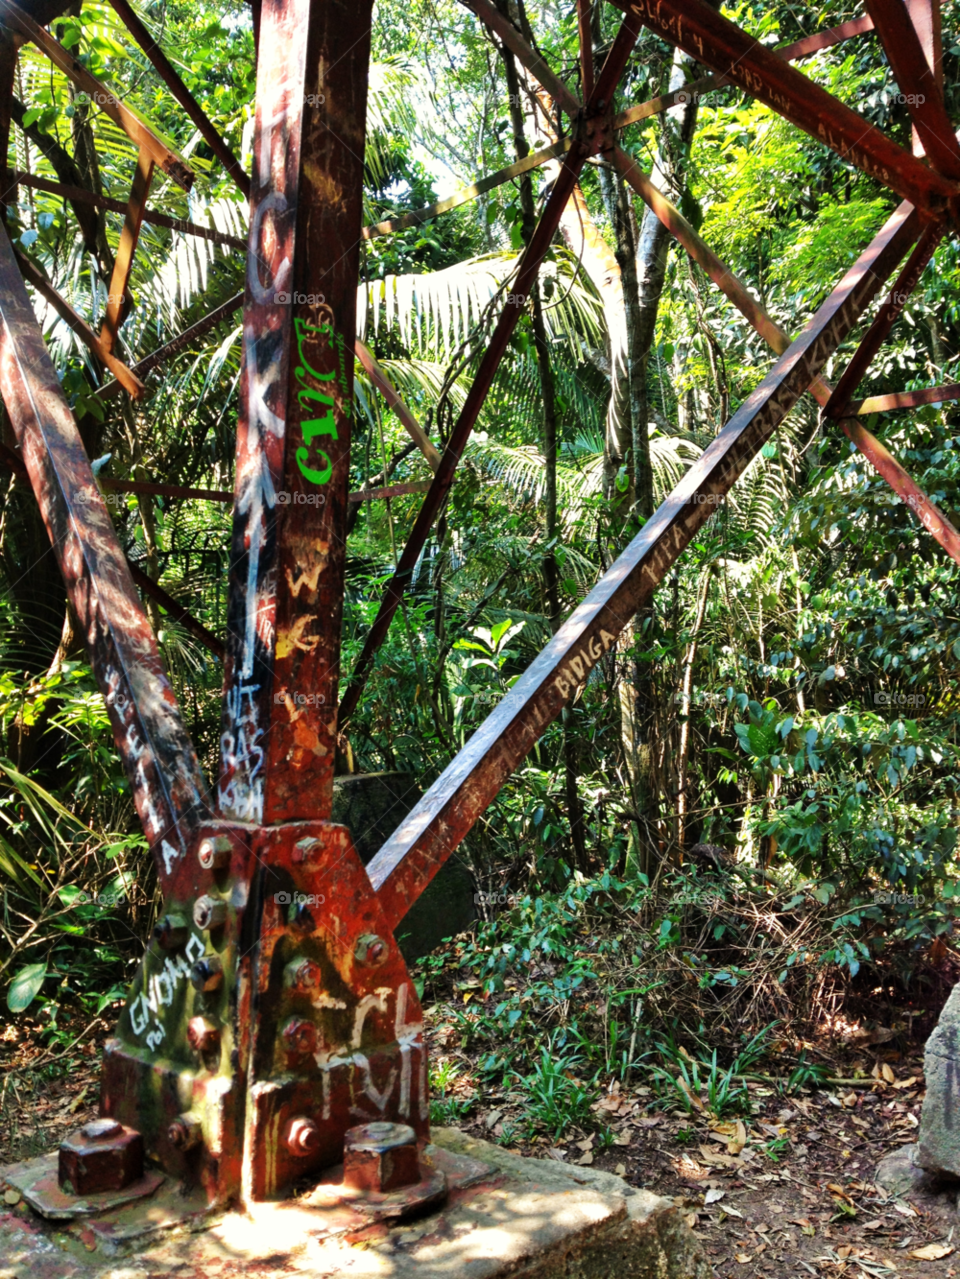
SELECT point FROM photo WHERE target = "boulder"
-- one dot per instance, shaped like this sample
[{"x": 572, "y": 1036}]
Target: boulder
[
  {"x": 372, "y": 806},
  {"x": 938, "y": 1148}
]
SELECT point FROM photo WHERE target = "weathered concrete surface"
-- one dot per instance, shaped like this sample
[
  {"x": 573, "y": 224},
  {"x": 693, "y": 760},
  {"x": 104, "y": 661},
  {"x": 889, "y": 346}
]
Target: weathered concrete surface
[
  {"x": 938, "y": 1148},
  {"x": 530, "y": 1219},
  {"x": 372, "y": 806}
]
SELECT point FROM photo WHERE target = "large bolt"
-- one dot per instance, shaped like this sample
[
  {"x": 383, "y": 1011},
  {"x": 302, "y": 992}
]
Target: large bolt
[
  {"x": 214, "y": 854},
  {"x": 300, "y": 1036},
  {"x": 303, "y": 1137},
  {"x": 202, "y": 1035},
  {"x": 185, "y": 1132},
  {"x": 207, "y": 973},
  {"x": 209, "y": 912},
  {"x": 101, "y": 1129},
  {"x": 380, "y": 1157},
  {"x": 370, "y": 949},
  {"x": 303, "y": 975},
  {"x": 171, "y": 931}
]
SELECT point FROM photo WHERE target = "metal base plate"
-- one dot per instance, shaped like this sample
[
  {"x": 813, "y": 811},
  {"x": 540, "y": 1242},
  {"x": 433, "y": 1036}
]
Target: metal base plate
[{"x": 37, "y": 1180}]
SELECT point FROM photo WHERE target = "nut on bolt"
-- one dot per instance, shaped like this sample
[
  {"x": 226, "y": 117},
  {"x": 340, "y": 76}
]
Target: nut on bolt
[
  {"x": 207, "y": 973},
  {"x": 171, "y": 931},
  {"x": 300, "y": 1036},
  {"x": 370, "y": 949},
  {"x": 303, "y": 1137},
  {"x": 303, "y": 974},
  {"x": 202, "y": 1035},
  {"x": 214, "y": 854},
  {"x": 185, "y": 1132},
  {"x": 380, "y": 1157},
  {"x": 209, "y": 912}
]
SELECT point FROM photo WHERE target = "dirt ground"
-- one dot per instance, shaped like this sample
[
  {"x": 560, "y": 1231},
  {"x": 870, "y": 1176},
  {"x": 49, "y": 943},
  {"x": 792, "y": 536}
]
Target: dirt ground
[{"x": 787, "y": 1192}]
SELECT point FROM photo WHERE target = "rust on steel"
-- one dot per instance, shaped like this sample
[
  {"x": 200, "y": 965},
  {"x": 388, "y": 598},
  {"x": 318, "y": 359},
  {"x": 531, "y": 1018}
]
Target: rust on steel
[
  {"x": 883, "y": 461},
  {"x": 886, "y": 317},
  {"x": 176, "y": 610},
  {"x": 118, "y": 299},
  {"x": 158, "y": 756},
  {"x": 125, "y": 377},
  {"x": 293, "y": 439},
  {"x": 528, "y": 269},
  {"x": 78, "y": 195},
  {"x": 168, "y": 75},
  {"x": 917, "y": 77},
  {"x": 180, "y": 343},
  {"x": 713, "y": 40},
  {"x": 905, "y": 400},
  {"x": 395, "y": 400},
  {"x": 413, "y": 854},
  {"x": 145, "y": 135}
]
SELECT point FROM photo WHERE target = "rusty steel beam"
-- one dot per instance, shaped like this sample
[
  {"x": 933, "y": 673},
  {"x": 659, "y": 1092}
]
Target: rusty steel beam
[
  {"x": 392, "y": 397},
  {"x": 125, "y": 377},
  {"x": 905, "y": 400},
  {"x": 426, "y": 838},
  {"x": 916, "y": 76},
  {"x": 643, "y": 111},
  {"x": 778, "y": 340},
  {"x": 168, "y": 75},
  {"x": 158, "y": 756},
  {"x": 528, "y": 269},
  {"x": 138, "y": 130},
  {"x": 118, "y": 296},
  {"x": 808, "y": 45},
  {"x": 177, "y": 612},
  {"x": 165, "y": 490},
  {"x": 884, "y": 321},
  {"x": 710, "y": 38},
  {"x": 491, "y": 18},
  {"x": 293, "y": 438},
  {"x": 177, "y": 344},
  {"x": 883, "y": 461},
  {"x": 78, "y": 195}
]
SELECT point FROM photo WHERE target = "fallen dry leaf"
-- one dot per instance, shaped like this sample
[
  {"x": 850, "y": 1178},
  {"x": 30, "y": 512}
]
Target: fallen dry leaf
[
  {"x": 742, "y": 1257},
  {"x": 713, "y": 1196},
  {"x": 886, "y": 1071},
  {"x": 932, "y": 1252},
  {"x": 586, "y": 1158},
  {"x": 691, "y": 1219},
  {"x": 621, "y": 1170},
  {"x": 689, "y": 1169},
  {"x": 11, "y": 1196}
]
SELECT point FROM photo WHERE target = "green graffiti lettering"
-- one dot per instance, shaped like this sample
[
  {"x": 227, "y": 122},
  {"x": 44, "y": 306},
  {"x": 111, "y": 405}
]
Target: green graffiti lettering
[{"x": 315, "y": 477}]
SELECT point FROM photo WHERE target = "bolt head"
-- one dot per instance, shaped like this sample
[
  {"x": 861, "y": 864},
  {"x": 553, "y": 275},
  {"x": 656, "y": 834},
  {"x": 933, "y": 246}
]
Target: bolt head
[
  {"x": 207, "y": 973},
  {"x": 101, "y": 1129},
  {"x": 185, "y": 1132},
  {"x": 370, "y": 949},
  {"x": 202, "y": 1035},
  {"x": 303, "y": 1137},
  {"x": 214, "y": 854},
  {"x": 300, "y": 1036},
  {"x": 171, "y": 931},
  {"x": 209, "y": 912},
  {"x": 303, "y": 975}
]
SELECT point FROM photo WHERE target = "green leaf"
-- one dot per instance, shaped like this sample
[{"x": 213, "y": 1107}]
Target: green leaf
[{"x": 25, "y": 987}]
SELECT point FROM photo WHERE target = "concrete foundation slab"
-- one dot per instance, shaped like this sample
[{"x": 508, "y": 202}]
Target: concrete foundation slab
[{"x": 527, "y": 1218}]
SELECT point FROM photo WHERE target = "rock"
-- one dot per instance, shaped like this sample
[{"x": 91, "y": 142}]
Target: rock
[
  {"x": 938, "y": 1149},
  {"x": 897, "y": 1172},
  {"x": 372, "y": 806}
]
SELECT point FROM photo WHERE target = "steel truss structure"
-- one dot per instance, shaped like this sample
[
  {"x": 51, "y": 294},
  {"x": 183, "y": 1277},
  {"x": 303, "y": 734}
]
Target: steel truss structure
[{"x": 272, "y": 1011}]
